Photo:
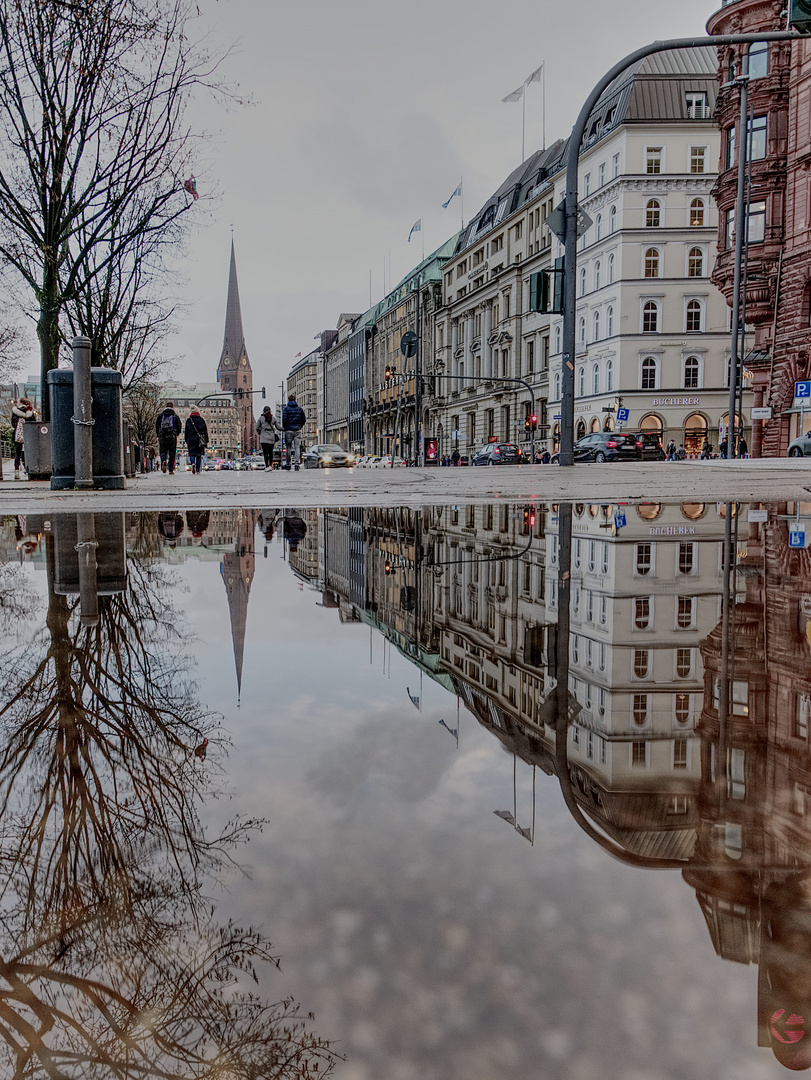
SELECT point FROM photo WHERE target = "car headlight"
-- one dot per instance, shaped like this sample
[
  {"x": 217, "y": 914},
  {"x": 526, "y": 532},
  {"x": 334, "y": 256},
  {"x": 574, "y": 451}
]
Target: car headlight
[{"x": 326, "y": 457}]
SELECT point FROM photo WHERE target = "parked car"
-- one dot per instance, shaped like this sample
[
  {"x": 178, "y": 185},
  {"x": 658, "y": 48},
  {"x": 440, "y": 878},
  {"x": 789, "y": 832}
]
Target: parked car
[
  {"x": 651, "y": 443},
  {"x": 385, "y": 462},
  {"x": 498, "y": 454},
  {"x": 800, "y": 447},
  {"x": 605, "y": 446},
  {"x": 327, "y": 456}
]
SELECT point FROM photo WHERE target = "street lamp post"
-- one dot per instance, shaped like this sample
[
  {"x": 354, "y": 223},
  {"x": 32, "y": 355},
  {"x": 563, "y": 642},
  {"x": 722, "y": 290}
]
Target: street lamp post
[{"x": 571, "y": 207}]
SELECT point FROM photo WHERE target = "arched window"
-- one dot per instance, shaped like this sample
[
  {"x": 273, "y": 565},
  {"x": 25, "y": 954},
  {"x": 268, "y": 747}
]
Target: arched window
[
  {"x": 653, "y": 214},
  {"x": 652, "y": 262},
  {"x": 557, "y": 338},
  {"x": 695, "y": 262},
  {"x": 609, "y": 321},
  {"x": 581, "y": 382},
  {"x": 609, "y": 376},
  {"x": 598, "y": 225},
  {"x": 691, "y": 373},
  {"x": 693, "y": 318},
  {"x": 580, "y": 431},
  {"x": 612, "y": 219},
  {"x": 595, "y": 326},
  {"x": 583, "y": 281},
  {"x": 598, "y": 274},
  {"x": 608, "y": 423},
  {"x": 595, "y": 424},
  {"x": 556, "y": 436},
  {"x": 556, "y": 387},
  {"x": 697, "y": 212},
  {"x": 581, "y": 329},
  {"x": 611, "y": 269},
  {"x": 595, "y": 379},
  {"x": 648, "y": 373},
  {"x": 651, "y": 422},
  {"x": 650, "y": 317}
]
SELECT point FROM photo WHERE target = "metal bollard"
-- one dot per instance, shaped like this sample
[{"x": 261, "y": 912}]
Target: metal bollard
[
  {"x": 82, "y": 418},
  {"x": 86, "y": 546}
]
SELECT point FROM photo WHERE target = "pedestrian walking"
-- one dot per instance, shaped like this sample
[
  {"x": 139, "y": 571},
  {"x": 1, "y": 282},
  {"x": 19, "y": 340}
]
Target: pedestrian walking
[
  {"x": 681, "y": 453},
  {"x": 671, "y": 450},
  {"x": 268, "y": 431},
  {"x": 456, "y": 457},
  {"x": 21, "y": 411},
  {"x": 724, "y": 447},
  {"x": 294, "y": 528},
  {"x": 706, "y": 450},
  {"x": 293, "y": 420},
  {"x": 196, "y": 435},
  {"x": 742, "y": 447},
  {"x": 168, "y": 427}
]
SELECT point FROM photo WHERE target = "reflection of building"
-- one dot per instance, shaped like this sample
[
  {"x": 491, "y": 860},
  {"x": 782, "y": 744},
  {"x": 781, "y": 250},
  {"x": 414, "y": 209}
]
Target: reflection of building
[
  {"x": 237, "y": 570},
  {"x": 300, "y": 531}
]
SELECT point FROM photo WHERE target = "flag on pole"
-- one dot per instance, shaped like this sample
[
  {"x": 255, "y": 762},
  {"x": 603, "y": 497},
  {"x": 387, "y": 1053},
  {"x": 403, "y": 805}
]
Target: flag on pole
[
  {"x": 415, "y": 700},
  {"x": 516, "y": 95},
  {"x": 534, "y": 77},
  {"x": 297, "y": 356},
  {"x": 416, "y": 227},
  {"x": 456, "y": 191},
  {"x": 190, "y": 185}
]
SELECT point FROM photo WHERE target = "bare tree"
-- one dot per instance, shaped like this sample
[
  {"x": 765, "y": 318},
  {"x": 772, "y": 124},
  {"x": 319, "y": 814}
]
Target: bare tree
[
  {"x": 141, "y": 407},
  {"x": 95, "y": 144}
]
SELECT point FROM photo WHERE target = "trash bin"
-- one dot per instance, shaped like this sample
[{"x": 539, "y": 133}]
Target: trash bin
[
  {"x": 110, "y": 553},
  {"x": 108, "y": 451},
  {"x": 37, "y": 447}
]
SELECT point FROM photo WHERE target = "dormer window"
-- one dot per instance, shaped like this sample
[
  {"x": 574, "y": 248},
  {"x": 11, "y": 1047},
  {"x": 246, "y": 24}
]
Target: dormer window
[{"x": 697, "y": 105}]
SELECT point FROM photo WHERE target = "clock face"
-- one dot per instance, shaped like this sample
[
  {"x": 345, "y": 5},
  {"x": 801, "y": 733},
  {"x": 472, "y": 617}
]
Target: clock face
[
  {"x": 225, "y": 361},
  {"x": 244, "y": 361}
]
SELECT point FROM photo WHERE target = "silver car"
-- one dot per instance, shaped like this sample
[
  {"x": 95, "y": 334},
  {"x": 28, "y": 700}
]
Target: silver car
[
  {"x": 800, "y": 447},
  {"x": 327, "y": 456}
]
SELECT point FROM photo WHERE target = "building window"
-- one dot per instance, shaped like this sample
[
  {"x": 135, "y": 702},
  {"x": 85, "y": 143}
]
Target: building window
[
  {"x": 595, "y": 321},
  {"x": 650, "y": 317},
  {"x": 609, "y": 364},
  {"x": 640, "y": 709},
  {"x": 615, "y": 166},
  {"x": 583, "y": 281},
  {"x": 652, "y": 263},
  {"x": 697, "y": 106},
  {"x": 801, "y": 716},
  {"x": 756, "y": 225},
  {"x": 695, "y": 263},
  {"x": 598, "y": 273},
  {"x": 684, "y": 612},
  {"x": 686, "y": 558},
  {"x": 653, "y": 215},
  {"x": 684, "y": 663},
  {"x": 642, "y": 620},
  {"x": 757, "y": 138},
  {"x": 611, "y": 269},
  {"x": 698, "y": 159},
  {"x": 648, "y": 373},
  {"x": 639, "y": 756},
  {"x": 587, "y": 184},
  {"x": 729, "y": 159},
  {"x": 682, "y": 708},
  {"x": 679, "y": 753},
  {"x": 612, "y": 219},
  {"x": 641, "y": 663},
  {"x": 729, "y": 228},
  {"x": 758, "y": 59},
  {"x": 644, "y": 558},
  {"x": 598, "y": 227},
  {"x": 595, "y": 371},
  {"x": 691, "y": 372},
  {"x": 693, "y": 318},
  {"x": 697, "y": 212},
  {"x": 601, "y": 174},
  {"x": 653, "y": 159},
  {"x": 581, "y": 382}
]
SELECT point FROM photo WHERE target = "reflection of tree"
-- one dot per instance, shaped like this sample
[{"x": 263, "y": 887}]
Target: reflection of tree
[{"x": 111, "y": 962}]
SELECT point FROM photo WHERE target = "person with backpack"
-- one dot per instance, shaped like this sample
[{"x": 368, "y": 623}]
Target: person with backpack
[
  {"x": 671, "y": 451},
  {"x": 706, "y": 450},
  {"x": 681, "y": 453},
  {"x": 168, "y": 427},
  {"x": 196, "y": 435},
  {"x": 293, "y": 420},
  {"x": 268, "y": 432}
]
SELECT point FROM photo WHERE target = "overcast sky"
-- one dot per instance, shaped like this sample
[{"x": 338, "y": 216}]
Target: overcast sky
[{"x": 366, "y": 114}]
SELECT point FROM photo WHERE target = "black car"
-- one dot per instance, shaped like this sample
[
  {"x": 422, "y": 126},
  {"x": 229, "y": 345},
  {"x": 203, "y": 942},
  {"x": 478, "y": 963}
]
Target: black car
[
  {"x": 498, "y": 454},
  {"x": 652, "y": 449},
  {"x": 605, "y": 446}
]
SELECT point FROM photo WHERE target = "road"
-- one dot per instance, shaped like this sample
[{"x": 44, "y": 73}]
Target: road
[{"x": 744, "y": 481}]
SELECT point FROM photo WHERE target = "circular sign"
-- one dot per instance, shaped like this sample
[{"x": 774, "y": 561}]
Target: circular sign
[
  {"x": 44, "y": 429},
  {"x": 408, "y": 343}
]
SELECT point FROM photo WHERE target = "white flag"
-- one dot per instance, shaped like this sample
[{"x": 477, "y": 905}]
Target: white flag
[
  {"x": 535, "y": 76},
  {"x": 416, "y": 227},
  {"x": 516, "y": 95}
]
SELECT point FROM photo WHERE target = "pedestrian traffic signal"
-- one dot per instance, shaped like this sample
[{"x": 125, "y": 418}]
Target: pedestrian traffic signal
[
  {"x": 529, "y": 519},
  {"x": 531, "y": 422},
  {"x": 799, "y": 15}
]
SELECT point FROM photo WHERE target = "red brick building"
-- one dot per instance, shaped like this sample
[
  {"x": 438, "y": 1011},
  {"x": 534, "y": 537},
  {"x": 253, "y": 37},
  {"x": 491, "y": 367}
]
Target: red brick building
[{"x": 777, "y": 282}]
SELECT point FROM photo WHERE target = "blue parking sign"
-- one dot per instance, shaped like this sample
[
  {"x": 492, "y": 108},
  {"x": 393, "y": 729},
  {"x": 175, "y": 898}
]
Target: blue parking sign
[
  {"x": 796, "y": 538},
  {"x": 803, "y": 389},
  {"x": 622, "y": 415}
]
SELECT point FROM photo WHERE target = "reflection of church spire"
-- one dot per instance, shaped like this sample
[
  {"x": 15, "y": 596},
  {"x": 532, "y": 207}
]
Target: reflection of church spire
[{"x": 237, "y": 569}]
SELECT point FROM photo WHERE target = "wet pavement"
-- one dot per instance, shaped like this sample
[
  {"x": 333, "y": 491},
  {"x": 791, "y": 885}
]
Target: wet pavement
[{"x": 511, "y": 789}]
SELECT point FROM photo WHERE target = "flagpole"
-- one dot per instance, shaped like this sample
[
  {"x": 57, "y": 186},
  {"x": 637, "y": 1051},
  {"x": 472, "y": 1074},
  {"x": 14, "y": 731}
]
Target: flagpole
[
  {"x": 462, "y": 200},
  {"x": 422, "y": 237},
  {"x": 523, "y": 123},
  {"x": 543, "y": 107}
]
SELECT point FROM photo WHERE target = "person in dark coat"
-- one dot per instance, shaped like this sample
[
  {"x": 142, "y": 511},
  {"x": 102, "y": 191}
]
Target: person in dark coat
[
  {"x": 293, "y": 420},
  {"x": 295, "y": 528},
  {"x": 170, "y": 526},
  {"x": 21, "y": 411},
  {"x": 196, "y": 435},
  {"x": 268, "y": 431},
  {"x": 456, "y": 457},
  {"x": 168, "y": 427}
]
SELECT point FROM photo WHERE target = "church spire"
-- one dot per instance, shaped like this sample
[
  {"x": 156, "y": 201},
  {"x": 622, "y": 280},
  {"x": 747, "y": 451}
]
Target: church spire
[{"x": 233, "y": 345}]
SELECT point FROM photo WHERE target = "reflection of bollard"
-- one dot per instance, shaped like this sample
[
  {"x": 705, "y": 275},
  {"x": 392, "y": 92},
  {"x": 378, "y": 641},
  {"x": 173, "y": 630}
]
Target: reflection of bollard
[
  {"x": 82, "y": 419},
  {"x": 86, "y": 545}
]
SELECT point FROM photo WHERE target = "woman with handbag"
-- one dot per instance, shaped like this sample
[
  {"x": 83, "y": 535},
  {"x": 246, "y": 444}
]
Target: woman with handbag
[
  {"x": 196, "y": 435},
  {"x": 21, "y": 411}
]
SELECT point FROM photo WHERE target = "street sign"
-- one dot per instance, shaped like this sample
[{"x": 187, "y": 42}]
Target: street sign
[
  {"x": 619, "y": 519},
  {"x": 803, "y": 389},
  {"x": 796, "y": 537},
  {"x": 556, "y": 416},
  {"x": 408, "y": 343},
  {"x": 757, "y": 515},
  {"x": 556, "y": 221},
  {"x": 761, "y": 412},
  {"x": 623, "y": 415}
]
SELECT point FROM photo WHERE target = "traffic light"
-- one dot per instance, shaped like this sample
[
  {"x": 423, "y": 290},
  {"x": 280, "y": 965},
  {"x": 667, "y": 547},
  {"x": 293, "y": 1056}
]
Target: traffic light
[
  {"x": 799, "y": 15},
  {"x": 531, "y": 422},
  {"x": 389, "y": 372},
  {"x": 546, "y": 287},
  {"x": 388, "y": 568},
  {"x": 263, "y": 391},
  {"x": 529, "y": 519}
]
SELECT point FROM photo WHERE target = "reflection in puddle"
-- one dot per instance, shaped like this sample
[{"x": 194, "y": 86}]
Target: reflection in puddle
[{"x": 649, "y": 662}]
